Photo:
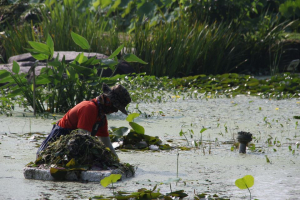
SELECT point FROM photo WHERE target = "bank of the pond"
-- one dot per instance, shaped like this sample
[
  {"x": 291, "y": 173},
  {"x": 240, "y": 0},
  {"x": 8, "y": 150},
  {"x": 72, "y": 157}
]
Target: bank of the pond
[{"x": 211, "y": 168}]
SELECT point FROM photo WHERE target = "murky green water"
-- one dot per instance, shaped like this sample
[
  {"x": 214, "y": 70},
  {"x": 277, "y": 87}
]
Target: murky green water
[{"x": 211, "y": 168}]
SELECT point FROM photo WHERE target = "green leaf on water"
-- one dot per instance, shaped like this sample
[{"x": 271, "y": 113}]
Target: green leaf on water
[
  {"x": 120, "y": 132},
  {"x": 110, "y": 179},
  {"x": 180, "y": 193},
  {"x": 132, "y": 116},
  {"x": 245, "y": 182},
  {"x": 203, "y": 129},
  {"x": 137, "y": 128}
]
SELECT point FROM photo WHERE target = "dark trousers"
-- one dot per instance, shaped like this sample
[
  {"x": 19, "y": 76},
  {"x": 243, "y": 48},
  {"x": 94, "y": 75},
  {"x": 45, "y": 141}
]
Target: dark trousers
[{"x": 55, "y": 133}]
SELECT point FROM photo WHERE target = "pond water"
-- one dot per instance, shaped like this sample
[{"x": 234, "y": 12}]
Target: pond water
[{"x": 211, "y": 168}]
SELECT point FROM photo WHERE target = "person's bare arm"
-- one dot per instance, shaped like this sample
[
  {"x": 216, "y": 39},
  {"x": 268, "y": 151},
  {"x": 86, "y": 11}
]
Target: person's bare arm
[{"x": 106, "y": 141}]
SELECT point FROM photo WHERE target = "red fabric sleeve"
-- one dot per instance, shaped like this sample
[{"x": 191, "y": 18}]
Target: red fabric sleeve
[{"x": 83, "y": 116}]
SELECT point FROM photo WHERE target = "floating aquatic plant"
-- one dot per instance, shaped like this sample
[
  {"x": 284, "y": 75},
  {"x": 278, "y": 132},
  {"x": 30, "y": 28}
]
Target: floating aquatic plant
[
  {"x": 245, "y": 183},
  {"x": 111, "y": 179}
]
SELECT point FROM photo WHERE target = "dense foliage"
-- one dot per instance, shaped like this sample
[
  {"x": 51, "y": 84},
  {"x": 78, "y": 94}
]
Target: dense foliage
[{"x": 177, "y": 39}]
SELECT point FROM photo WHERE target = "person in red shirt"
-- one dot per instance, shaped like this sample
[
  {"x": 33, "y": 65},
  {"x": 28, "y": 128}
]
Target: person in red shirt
[{"x": 89, "y": 117}]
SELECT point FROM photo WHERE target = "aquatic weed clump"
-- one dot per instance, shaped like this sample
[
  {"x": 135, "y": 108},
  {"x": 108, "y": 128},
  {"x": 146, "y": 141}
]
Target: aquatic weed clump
[{"x": 83, "y": 151}]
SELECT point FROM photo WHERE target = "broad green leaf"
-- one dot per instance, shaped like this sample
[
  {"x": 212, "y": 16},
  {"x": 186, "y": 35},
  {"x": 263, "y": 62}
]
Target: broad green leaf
[
  {"x": 102, "y": 3},
  {"x": 116, "y": 4},
  {"x": 40, "y": 47},
  {"x": 202, "y": 130},
  {"x": 116, "y": 52},
  {"x": 16, "y": 67},
  {"x": 4, "y": 73},
  {"x": 245, "y": 182},
  {"x": 133, "y": 58},
  {"x": 39, "y": 56},
  {"x": 71, "y": 163},
  {"x": 109, "y": 62},
  {"x": 81, "y": 70},
  {"x": 43, "y": 79},
  {"x": 137, "y": 128},
  {"x": 95, "y": 62},
  {"x": 72, "y": 74},
  {"x": 91, "y": 61},
  {"x": 179, "y": 193},
  {"x": 80, "y": 41},
  {"x": 105, "y": 3},
  {"x": 181, "y": 133},
  {"x": 131, "y": 116},
  {"x": 34, "y": 51},
  {"x": 127, "y": 9},
  {"x": 120, "y": 132},
  {"x": 110, "y": 179},
  {"x": 50, "y": 44},
  {"x": 14, "y": 93},
  {"x": 96, "y": 4},
  {"x": 54, "y": 63},
  {"x": 7, "y": 79},
  {"x": 81, "y": 58}
]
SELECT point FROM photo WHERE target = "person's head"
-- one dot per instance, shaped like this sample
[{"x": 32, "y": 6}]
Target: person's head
[{"x": 118, "y": 98}]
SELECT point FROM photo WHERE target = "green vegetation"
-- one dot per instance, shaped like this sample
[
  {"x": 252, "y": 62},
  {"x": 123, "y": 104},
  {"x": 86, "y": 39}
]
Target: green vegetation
[
  {"x": 144, "y": 88},
  {"x": 179, "y": 49},
  {"x": 245, "y": 183},
  {"x": 172, "y": 36},
  {"x": 136, "y": 138},
  {"x": 185, "y": 55},
  {"x": 111, "y": 179},
  {"x": 59, "y": 91}
]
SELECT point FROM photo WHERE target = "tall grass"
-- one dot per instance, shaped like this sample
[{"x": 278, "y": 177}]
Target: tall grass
[
  {"x": 178, "y": 49},
  {"x": 172, "y": 49}
]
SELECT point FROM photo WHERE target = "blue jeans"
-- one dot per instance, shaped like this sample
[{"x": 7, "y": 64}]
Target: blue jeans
[{"x": 55, "y": 133}]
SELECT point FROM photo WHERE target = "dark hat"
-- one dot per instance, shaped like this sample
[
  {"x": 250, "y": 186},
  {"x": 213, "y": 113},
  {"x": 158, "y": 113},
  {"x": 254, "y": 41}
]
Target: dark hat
[{"x": 118, "y": 96}]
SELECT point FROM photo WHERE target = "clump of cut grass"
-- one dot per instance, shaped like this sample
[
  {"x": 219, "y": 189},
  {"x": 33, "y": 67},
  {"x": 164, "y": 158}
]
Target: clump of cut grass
[{"x": 82, "y": 152}]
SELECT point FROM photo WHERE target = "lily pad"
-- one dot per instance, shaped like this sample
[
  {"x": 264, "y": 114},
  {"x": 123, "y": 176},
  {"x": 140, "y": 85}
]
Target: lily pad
[
  {"x": 245, "y": 183},
  {"x": 110, "y": 179}
]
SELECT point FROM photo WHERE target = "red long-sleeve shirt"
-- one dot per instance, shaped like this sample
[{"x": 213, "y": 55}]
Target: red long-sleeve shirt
[{"x": 83, "y": 116}]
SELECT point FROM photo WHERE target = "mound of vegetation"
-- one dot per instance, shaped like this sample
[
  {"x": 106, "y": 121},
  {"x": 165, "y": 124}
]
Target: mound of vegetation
[{"x": 77, "y": 151}]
